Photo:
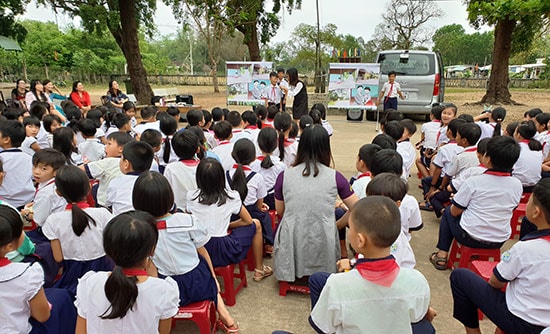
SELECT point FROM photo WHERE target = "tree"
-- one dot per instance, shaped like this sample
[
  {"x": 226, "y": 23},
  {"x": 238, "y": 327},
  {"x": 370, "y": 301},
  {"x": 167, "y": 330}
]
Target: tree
[
  {"x": 122, "y": 18},
  {"x": 516, "y": 24},
  {"x": 405, "y": 21},
  {"x": 457, "y": 47},
  {"x": 9, "y": 27}
]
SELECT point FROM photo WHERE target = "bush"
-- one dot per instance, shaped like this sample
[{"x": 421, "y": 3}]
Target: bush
[{"x": 539, "y": 83}]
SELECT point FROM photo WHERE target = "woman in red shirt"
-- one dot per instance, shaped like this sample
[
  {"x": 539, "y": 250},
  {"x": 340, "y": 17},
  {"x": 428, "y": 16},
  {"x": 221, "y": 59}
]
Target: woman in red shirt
[{"x": 80, "y": 97}]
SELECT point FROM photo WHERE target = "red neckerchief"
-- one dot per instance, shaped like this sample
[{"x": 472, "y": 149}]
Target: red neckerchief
[
  {"x": 496, "y": 173},
  {"x": 4, "y": 261},
  {"x": 261, "y": 158},
  {"x": 224, "y": 142},
  {"x": 268, "y": 125},
  {"x": 251, "y": 127},
  {"x": 388, "y": 96},
  {"x": 83, "y": 205},
  {"x": 381, "y": 271},
  {"x": 363, "y": 175},
  {"x": 161, "y": 225},
  {"x": 237, "y": 131},
  {"x": 436, "y": 121},
  {"x": 40, "y": 188},
  {"x": 471, "y": 149},
  {"x": 288, "y": 142},
  {"x": 452, "y": 142},
  {"x": 243, "y": 166},
  {"x": 525, "y": 141},
  {"x": 135, "y": 272},
  {"x": 190, "y": 162},
  {"x": 482, "y": 165}
]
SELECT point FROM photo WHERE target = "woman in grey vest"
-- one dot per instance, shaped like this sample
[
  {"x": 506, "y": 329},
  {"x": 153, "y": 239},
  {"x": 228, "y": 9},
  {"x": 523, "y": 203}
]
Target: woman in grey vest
[{"x": 305, "y": 195}]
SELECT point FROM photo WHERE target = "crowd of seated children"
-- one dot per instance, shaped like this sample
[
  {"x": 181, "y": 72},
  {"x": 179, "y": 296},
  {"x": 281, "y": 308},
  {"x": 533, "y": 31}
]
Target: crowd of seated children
[
  {"x": 405, "y": 147},
  {"x": 91, "y": 149},
  {"x": 211, "y": 141},
  {"x": 322, "y": 115},
  {"x": 252, "y": 126},
  {"x": 64, "y": 140},
  {"x": 30, "y": 144},
  {"x": 447, "y": 115},
  {"x": 148, "y": 120},
  {"x": 222, "y": 131},
  {"x": 101, "y": 118},
  {"x": 268, "y": 164},
  {"x": 469, "y": 219},
  {"x": 428, "y": 140},
  {"x": 541, "y": 123},
  {"x": 362, "y": 165},
  {"x": 456, "y": 182},
  {"x": 527, "y": 169},
  {"x": 130, "y": 109},
  {"x": 39, "y": 110},
  {"x": 523, "y": 307},
  {"x": 167, "y": 154},
  {"x": 237, "y": 126},
  {"x": 287, "y": 146},
  {"x": 493, "y": 125},
  {"x": 153, "y": 138}
]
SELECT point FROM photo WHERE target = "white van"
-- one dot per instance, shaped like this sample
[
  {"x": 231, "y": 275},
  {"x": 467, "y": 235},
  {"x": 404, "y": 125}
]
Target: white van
[{"x": 420, "y": 74}]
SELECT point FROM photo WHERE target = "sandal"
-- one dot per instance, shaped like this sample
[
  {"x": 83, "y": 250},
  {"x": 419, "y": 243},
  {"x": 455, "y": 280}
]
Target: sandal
[
  {"x": 261, "y": 274},
  {"x": 426, "y": 206},
  {"x": 268, "y": 249},
  {"x": 440, "y": 263},
  {"x": 233, "y": 329}
]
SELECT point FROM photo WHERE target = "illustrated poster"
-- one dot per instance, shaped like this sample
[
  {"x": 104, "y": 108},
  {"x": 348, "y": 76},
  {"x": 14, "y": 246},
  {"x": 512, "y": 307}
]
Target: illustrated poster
[{"x": 353, "y": 86}]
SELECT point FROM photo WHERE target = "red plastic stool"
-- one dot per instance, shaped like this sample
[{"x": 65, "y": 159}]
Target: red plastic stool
[
  {"x": 90, "y": 197},
  {"x": 30, "y": 227},
  {"x": 466, "y": 253},
  {"x": 485, "y": 270},
  {"x": 285, "y": 286},
  {"x": 525, "y": 198},
  {"x": 228, "y": 275},
  {"x": 250, "y": 261},
  {"x": 201, "y": 313},
  {"x": 274, "y": 220},
  {"x": 517, "y": 216}
]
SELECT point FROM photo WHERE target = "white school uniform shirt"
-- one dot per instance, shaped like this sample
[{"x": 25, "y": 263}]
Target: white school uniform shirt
[
  {"x": 19, "y": 283},
  {"x": 180, "y": 235},
  {"x": 445, "y": 156},
  {"x": 42, "y": 137},
  {"x": 410, "y": 215},
  {"x": 91, "y": 149},
  {"x": 327, "y": 127},
  {"x": 133, "y": 122},
  {"x": 359, "y": 186},
  {"x": 487, "y": 207},
  {"x": 540, "y": 136},
  {"x": 457, "y": 181},
  {"x": 526, "y": 266},
  {"x": 254, "y": 132},
  {"x": 408, "y": 153},
  {"x": 149, "y": 125},
  {"x": 157, "y": 299},
  {"x": 269, "y": 174},
  {"x": 291, "y": 148},
  {"x": 529, "y": 165},
  {"x": 462, "y": 161},
  {"x": 99, "y": 132},
  {"x": 181, "y": 176},
  {"x": 210, "y": 139},
  {"x": 87, "y": 246},
  {"x": 402, "y": 251},
  {"x": 46, "y": 202},
  {"x": 223, "y": 150},
  {"x": 215, "y": 217},
  {"x": 487, "y": 129},
  {"x": 546, "y": 145},
  {"x": 239, "y": 134},
  {"x": 395, "y": 87},
  {"x": 441, "y": 137},
  {"x": 26, "y": 145},
  {"x": 104, "y": 170},
  {"x": 17, "y": 188},
  {"x": 274, "y": 94},
  {"x": 256, "y": 186},
  {"x": 430, "y": 131},
  {"x": 351, "y": 304},
  {"x": 173, "y": 156},
  {"x": 119, "y": 193}
]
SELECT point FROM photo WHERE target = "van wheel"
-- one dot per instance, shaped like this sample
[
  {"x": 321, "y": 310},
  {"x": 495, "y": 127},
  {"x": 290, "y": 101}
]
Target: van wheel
[{"x": 371, "y": 115}]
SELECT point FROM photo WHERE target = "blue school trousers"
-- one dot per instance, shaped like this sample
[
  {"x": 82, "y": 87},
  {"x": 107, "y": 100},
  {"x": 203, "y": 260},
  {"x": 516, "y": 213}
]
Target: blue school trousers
[
  {"x": 471, "y": 292},
  {"x": 390, "y": 103}
]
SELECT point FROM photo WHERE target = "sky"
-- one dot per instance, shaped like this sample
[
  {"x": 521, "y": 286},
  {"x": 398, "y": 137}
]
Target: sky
[{"x": 355, "y": 17}]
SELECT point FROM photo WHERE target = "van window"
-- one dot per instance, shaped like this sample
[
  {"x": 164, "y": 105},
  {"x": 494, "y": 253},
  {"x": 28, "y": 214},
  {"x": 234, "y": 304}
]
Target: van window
[{"x": 418, "y": 64}]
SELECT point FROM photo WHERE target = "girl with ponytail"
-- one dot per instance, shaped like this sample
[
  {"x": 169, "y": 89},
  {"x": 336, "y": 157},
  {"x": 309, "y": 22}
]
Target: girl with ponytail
[
  {"x": 130, "y": 299},
  {"x": 528, "y": 167},
  {"x": 76, "y": 233},
  {"x": 494, "y": 126},
  {"x": 270, "y": 166},
  {"x": 168, "y": 127},
  {"x": 287, "y": 147}
]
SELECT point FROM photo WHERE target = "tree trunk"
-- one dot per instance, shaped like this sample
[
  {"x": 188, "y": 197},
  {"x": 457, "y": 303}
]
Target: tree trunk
[
  {"x": 497, "y": 87},
  {"x": 252, "y": 44},
  {"x": 130, "y": 48},
  {"x": 214, "y": 73}
]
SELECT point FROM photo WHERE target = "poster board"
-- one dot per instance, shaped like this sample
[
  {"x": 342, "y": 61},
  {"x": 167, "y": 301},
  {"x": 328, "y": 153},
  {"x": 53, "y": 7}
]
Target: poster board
[
  {"x": 353, "y": 86},
  {"x": 246, "y": 82}
]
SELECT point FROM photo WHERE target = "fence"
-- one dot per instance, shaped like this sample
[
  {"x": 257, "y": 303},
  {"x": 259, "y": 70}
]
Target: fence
[{"x": 482, "y": 82}]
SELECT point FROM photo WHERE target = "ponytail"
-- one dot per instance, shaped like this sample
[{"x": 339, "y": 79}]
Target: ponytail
[
  {"x": 281, "y": 145},
  {"x": 80, "y": 220},
  {"x": 527, "y": 131},
  {"x": 282, "y": 123},
  {"x": 535, "y": 145},
  {"x": 497, "y": 131},
  {"x": 498, "y": 114},
  {"x": 122, "y": 293},
  {"x": 239, "y": 182},
  {"x": 267, "y": 162},
  {"x": 167, "y": 148}
]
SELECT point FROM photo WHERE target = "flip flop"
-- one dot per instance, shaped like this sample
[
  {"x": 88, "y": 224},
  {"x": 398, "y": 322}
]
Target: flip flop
[
  {"x": 439, "y": 263},
  {"x": 426, "y": 206}
]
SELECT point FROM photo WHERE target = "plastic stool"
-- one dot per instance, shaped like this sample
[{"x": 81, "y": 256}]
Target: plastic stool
[
  {"x": 525, "y": 198},
  {"x": 517, "y": 216},
  {"x": 466, "y": 253},
  {"x": 228, "y": 275},
  {"x": 285, "y": 286},
  {"x": 274, "y": 220},
  {"x": 90, "y": 198},
  {"x": 485, "y": 270},
  {"x": 31, "y": 227},
  {"x": 250, "y": 261},
  {"x": 201, "y": 313}
]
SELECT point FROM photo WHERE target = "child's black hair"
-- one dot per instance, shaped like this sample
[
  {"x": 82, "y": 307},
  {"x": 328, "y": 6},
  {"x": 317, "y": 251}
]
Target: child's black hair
[
  {"x": 73, "y": 115},
  {"x": 210, "y": 179},
  {"x": 527, "y": 130},
  {"x": 388, "y": 185},
  {"x": 87, "y": 128},
  {"x": 128, "y": 239},
  {"x": 139, "y": 154},
  {"x": 234, "y": 118},
  {"x": 498, "y": 114},
  {"x": 31, "y": 120},
  {"x": 199, "y": 132},
  {"x": 194, "y": 117},
  {"x": 39, "y": 109},
  {"x": 322, "y": 110},
  {"x": 261, "y": 112},
  {"x": 207, "y": 116},
  {"x": 511, "y": 128},
  {"x": 217, "y": 114},
  {"x": 185, "y": 144},
  {"x": 454, "y": 124},
  {"x": 95, "y": 115},
  {"x": 63, "y": 141},
  {"x": 48, "y": 121},
  {"x": 73, "y": 185},
  {"x": 469, "y": 131},
  {"x": 13, "y": 114},
  {"x": 174, "y": 112},
  {"x": 225, "y": 112},
  {"x": 386, "y": 161},
  {"x": 14, "y": 130},
  {"x": 467, "y": 117},
  {"x": 293, "y": 130},
  {"x": 452, "y": 106},
  {"x": 148, "y": 113},
  {"x": 272, "y": 74},
  {"x": 152, "y": 137},
  {"x": 168, "y": 126},
  {"x": 385, "y": 141},
  {"x": 267, "y": 142},
  {"x": 251, "y": 118},
  {"x": 49, "y": 157},
  {"x": 11, "y": 225},
  {"x": 409, "y": 125},
  {"x": 436, "y": 111},
  {"x": 541, "y": 197},
  {"x": 482, "y": 146},
  {"x": 390, "y": 115},
  {"x": 532, "y": 113},
  {"x": 379, "y": 217},
  {"x": 367, "y": 153},
  {"x": 282, "y": 123},
  {"x": 280, "y": 70},
  {"x": 394, "y": 129},
  {"x": 153, "y": 194},
  {"x": 543, "y": 119},
  {"x": 392, "y": 73},
  {"x": 272, "y": 111},
  {"x": 503, "y": 152},
  {"x": 121, "y": 138},
  {"x": 128, "y": 105},
  {"x": 315, "y": 116},
  {"x": 120, "y": 120},
  {"x": 162, "y": 114},
  {"x": 223, "y": 130},
  {"x": 305, "y": 121},
  {"x": 244, "y": 152}
]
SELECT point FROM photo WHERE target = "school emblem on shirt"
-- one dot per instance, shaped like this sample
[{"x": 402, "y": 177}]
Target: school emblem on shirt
[
  {"x": 505, "y": 256},
  {"x": 393, "y": 248}
]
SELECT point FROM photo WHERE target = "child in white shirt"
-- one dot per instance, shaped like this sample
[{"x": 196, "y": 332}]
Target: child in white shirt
[
  {"x": 91, "y": 148},
  {"x": 30, "y": 144}
]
